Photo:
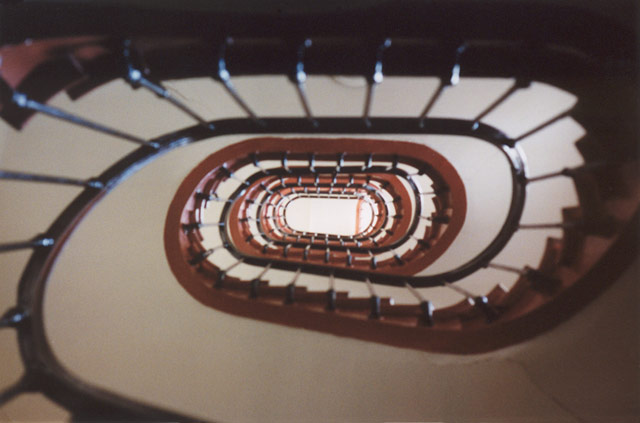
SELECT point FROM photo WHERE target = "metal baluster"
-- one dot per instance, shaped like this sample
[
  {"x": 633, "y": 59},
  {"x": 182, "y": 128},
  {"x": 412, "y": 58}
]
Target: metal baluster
[
  {"x": 562, "y": 172},
  {"x": 223, "y": 274},
  {"x": 255, "y": 282},
  {"x": 265, "y": 188},
  {"x": 305, "y": 254},
  {"x": 30, "y": 177},
  {"x": 188, "y": 227},
  {"x": 453, "y": 80},
  {"x": 203, "y": 255},
  {"x": 425, "y": 305},
  {"x": 421, "y": 241},
  {"x": 436, "y": 219},
  {"x": 232, "y": 175},
  {"x": 374, "y": 299},
  {"x": 39, "y": 241},
  {"x": 300, "y": 79},
  {"x": 481, "y": 302},
  {"x": 249, "y": 218},
  {"x": 213, "y": 197},
  {"x": 431, "y": 103},
  {"x": 285, "y": 162},
  {"x": 13, "y": 317},
  {"x": 518, "y": 84},
  {"x": 468, "y": 295},
  {"x": 568, "y": 171},
  {"x": 506, "y": 268},
  {"x": 542, "y": 126},
  {"x": 136, "y": 79},
  {"x": 455, "y": 71},
  {"x": 394, "y": 165},
  {"x": 209, "y": 224},
  {"x": 291, "y": 288},
  {"x": 396, "y": 256},
  {"x": 374, "y": 263},
  {"x": 266, "y": 246},
  {"x": 561, "y": 225},
  {"x": 24, "y": 102},
  {"x": 256, "y": 163},
  {"x": 312, "y": 166},
  {"x": 225, "y": 77},
  {"x": 340, "y": 163},
  {"x": 373, "y": 81},
  {"x": 368, "y": 162},
  {"x": 331, "y": 294}
]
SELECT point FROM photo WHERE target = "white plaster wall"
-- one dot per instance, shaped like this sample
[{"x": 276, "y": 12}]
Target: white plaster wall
[{"x": 323, "y": 215}]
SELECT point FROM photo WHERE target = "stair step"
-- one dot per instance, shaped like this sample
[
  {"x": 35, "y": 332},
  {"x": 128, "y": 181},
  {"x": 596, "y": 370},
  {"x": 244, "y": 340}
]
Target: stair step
[
  {"x": 551, "y": 256},
  {"x": 573, "y": 236},
  {"x": 594, "y": 217}
]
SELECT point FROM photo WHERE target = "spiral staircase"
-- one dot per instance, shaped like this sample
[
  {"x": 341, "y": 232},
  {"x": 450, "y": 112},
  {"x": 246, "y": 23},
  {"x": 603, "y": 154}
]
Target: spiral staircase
[{"x": 449, "y": 263}]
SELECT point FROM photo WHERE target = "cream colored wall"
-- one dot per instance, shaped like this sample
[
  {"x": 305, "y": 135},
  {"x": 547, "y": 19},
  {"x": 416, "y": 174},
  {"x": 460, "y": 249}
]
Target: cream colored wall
[
  {"x": 116, "y": 317},
  {"x": 323, "y": 215}
]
